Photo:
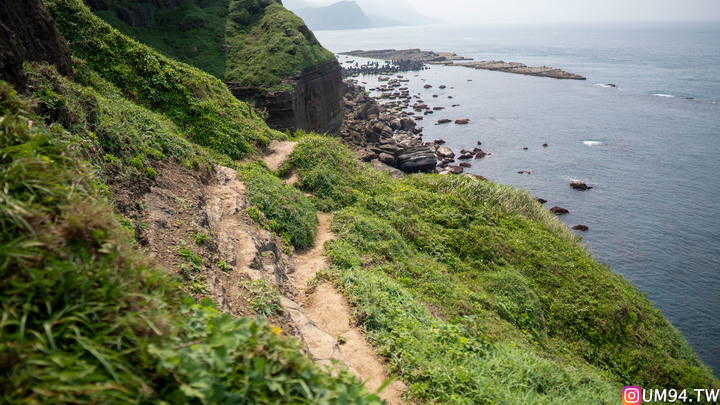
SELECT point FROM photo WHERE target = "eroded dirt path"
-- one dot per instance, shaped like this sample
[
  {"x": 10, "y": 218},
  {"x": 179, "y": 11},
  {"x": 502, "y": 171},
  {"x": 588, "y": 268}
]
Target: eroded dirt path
[{"x": 329, "y": 310}]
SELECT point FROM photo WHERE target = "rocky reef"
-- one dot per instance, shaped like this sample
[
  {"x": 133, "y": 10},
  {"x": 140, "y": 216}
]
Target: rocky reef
[{"x": 452, "y": 59}]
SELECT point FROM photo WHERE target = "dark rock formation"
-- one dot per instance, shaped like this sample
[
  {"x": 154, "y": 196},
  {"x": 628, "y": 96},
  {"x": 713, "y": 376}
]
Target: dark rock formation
[
  {"x": 139, "y": 16},
  {"x": 579, "y": 185},
  {"x": 27, "y": 32},
  {"x": 314, "y": 104},
  {"x": 416, "y": 159},
  {"x": 541, "y": 200},
  {"x": 581, "y": 228},
  {"x": 559, "y": 211},
  {"x": 462, "y": 121}
]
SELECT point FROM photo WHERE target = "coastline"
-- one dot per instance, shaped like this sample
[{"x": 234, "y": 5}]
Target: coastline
[{"x": 453, "y": 59}]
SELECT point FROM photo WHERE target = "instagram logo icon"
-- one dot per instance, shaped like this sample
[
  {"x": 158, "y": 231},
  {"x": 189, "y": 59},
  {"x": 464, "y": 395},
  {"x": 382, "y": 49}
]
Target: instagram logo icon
[{"x": 632, "y": 395}]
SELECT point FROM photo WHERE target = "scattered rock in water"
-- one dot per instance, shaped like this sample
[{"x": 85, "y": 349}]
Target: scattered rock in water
[
  {"x": 444, "y": 152},
  {"x": 456, "y": 105},
  {"x": 465, "y": 164},
  {"x": 466, "y": 155},
  {"x": 442, "y": 86},
  {"x": 435, "y": 96},
  {"x": 579, "y": 185},
  {"x": 541, "y": 200},
  {"x": 581, "y": 228},
  {"x": 418, "y": 117},
  {"x": 452, "y": 169},
  {"x": 462, "y": 121},
  {"x": 427, "y": 86},
  {"x": 479, "y": 153},
  {"x": 439, "y": 141},
  {"x": 559, "y": 210},
  {"x": 443, "y": 121},
  {"x": 524, "y": 172},
  {"x": 450, "y": 96},
  {"x": 479, "y": 143},
  {"x": 545, "y": 145},
  {"x": 525, "y": 148},
  {"x": 438, "y": 108}
]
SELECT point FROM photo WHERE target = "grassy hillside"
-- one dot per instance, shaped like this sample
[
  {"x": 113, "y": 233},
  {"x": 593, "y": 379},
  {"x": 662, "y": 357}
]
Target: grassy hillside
[
  {"x": 85, "y": 318},
  {"x": 247, "y": 41},
  {"x": 476, "y": 294}
]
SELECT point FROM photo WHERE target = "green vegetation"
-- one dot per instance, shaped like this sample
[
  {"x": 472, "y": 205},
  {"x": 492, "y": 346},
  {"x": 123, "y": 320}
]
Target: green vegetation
[
  {"x": 200, "y": 106},
  {"x": 476, "y": 294},
  {"x": 85, "y": 319},
  {"x": 273, "y": 45},
  {"x": 287, "y": 211},
  {"x": 252, "y": 42},
  {"x": 264, "y": 298}
]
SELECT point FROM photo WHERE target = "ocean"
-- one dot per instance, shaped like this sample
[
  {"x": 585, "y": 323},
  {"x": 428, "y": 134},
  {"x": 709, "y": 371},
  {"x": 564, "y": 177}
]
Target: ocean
[{"x": 650, "y": 147}]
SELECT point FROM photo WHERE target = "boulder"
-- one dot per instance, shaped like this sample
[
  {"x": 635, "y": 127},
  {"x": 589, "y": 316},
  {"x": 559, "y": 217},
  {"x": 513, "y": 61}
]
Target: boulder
[
  {"x": 416, "y": 159},
  {"x": 407, "y": 123},
  {"x": 395, "y": 124},
  {"x": 579, "y": 185},
  {"x": 559, "y": 210},
  {"x": 443, "y": 121},
  {"x": 462, "y": 121},
  {"x": 452, "y": 169},
  {"x": 387, "y": 159},
  {"x": 445, "y": 152},
  {"x": 545, "y": 145},
  {"x": 427, "y": 86},
  {"x": 466, "y": 155},
  {"x": 439, "y": 141},
  {"x": 524, "y": 172},
  {"x": 479, "y": 154},
  {"x": 541, "y": 200},
  {"x": 581, "y": 228},
  {"x": 465, "y": 164}
]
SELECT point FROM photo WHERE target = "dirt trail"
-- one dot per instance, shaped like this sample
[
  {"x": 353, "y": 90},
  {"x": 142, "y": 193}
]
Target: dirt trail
[{"x": 330, "y": 310}]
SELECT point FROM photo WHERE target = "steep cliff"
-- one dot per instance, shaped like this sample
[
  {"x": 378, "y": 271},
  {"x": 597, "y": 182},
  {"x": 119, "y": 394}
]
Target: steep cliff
[
  {"x": 263, "y": 51},
  {"x": 20, "y": 41}
]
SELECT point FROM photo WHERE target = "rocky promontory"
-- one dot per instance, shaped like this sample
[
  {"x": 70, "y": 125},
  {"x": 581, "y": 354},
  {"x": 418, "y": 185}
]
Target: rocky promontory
[
  {"x": 451, "y": 59},
  {"x": 521, "y": 68}
]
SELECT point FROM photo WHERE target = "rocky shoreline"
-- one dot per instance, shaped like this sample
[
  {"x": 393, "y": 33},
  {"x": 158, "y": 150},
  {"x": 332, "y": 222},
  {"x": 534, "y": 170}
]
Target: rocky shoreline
[
  {"x": 391, "y": 140},
  {"x": 452, "y": 59}
]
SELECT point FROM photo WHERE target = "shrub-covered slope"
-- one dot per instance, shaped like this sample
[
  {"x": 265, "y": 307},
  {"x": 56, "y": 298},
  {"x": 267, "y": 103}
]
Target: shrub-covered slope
[
  {"x": 85, "y": 319},
  {"x": 476, "y": 294},
  {"x": 252, "y": 42}
]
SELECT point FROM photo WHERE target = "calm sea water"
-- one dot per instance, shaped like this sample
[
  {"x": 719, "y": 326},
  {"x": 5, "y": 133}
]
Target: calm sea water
[{"x": 650, "y": 147}]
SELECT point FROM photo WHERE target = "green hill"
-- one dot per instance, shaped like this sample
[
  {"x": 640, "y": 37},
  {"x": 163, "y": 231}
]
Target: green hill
[
  {"x": 254, "y": 43},
  {"x": 471, "y": 291}
]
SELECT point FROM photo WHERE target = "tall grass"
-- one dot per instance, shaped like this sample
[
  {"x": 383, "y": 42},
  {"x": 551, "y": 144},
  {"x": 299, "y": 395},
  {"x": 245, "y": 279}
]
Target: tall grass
[
  {"x": 428, "y": 257},
  {"x": 86, "y": 319}
]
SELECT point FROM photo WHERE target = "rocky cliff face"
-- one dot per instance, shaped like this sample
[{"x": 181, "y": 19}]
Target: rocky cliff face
[
  {"x": 314, "y": 104},
  {"x": 20, "y": 41}
]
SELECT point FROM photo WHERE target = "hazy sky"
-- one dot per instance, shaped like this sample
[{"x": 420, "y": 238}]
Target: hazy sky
[{"x": 545, "y": 10}]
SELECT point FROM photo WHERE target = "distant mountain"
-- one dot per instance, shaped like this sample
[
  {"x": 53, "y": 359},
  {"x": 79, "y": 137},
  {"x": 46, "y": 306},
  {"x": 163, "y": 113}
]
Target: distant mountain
[{"x": 344, "y": 15}]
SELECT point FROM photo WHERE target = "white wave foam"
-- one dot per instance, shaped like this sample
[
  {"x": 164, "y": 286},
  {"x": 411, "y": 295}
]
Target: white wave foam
[
  {"x": 592, "y": 143},
  {"x": 664, "y": 95}
]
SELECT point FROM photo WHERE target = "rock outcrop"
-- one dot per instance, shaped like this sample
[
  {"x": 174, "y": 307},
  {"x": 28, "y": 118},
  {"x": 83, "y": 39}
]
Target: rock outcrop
[
  {"x": 314, "y": 104},
  {"x": 19, "y": 41}
]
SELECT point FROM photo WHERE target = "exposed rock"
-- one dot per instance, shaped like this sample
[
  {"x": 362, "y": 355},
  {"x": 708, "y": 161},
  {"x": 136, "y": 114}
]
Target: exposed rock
[
  {"x": 387, "y": 159},
  {"x": 314, "y": 104},
  {"x": 462, "y": 121},
  {"x": 38, "y": 41},
  {"x": 416, "y": 159},
  {"x": 466, "y": 155},
  {"x": 541, "y": 200},
  {"x": 581, "y": 228},
  {"x": 139, "y": 16},
  {"x": 559, "y": 210},
  {"x": 452, "y": 169},
  {"x": 439, "y": 141},
  {"x": 519, "y": 68},
  {"x": 545, "y": 145},
  {"x": 579, "y": 185},
  {"x": 427, "y": 86},
  {"x": 524, "y": 172},
  {"x": 479, "y": 153},
  {"x": 443, "y": 121},
  {"x": 445, "y": 152},
  {"x": 465, "y": 164}
]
